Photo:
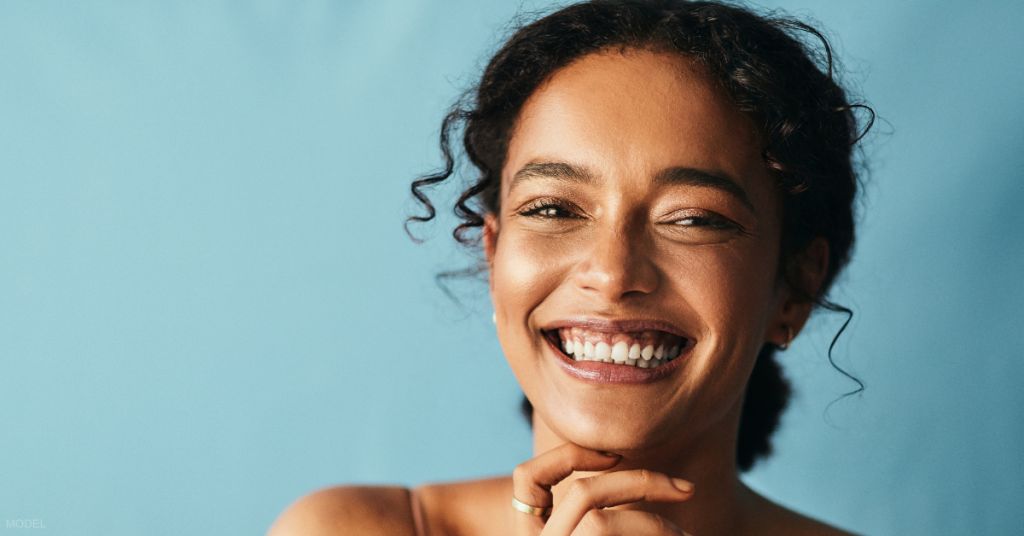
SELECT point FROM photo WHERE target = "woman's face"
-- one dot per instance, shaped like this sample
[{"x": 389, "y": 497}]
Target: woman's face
[{"x": 637, "y": 218}]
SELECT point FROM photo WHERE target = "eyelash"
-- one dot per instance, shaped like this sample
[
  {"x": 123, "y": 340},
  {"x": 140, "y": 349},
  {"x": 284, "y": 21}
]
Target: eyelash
[
  {"x": 708, "y": 220},
  {"x": 712, "y": 221},
  {"x": 539, "y": 206}
]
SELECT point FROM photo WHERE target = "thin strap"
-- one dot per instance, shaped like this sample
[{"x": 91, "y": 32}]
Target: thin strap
[{"x": 417, "y": 513}]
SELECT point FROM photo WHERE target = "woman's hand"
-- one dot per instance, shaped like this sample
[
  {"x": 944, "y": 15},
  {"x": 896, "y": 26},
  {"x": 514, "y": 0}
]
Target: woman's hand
[{"x": 580, "y": 511}]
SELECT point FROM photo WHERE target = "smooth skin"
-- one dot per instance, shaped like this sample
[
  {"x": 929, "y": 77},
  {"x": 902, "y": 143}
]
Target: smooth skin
[{"x": 632, "y": 189}]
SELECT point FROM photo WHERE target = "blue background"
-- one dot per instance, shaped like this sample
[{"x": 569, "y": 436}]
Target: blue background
[{"x": 208, "y": 306}]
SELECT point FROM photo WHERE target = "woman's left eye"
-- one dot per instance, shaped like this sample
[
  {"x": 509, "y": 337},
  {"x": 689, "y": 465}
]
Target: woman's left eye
[
  {"x": 702, "y": 226},
  {"x": 708, "y": 221}
]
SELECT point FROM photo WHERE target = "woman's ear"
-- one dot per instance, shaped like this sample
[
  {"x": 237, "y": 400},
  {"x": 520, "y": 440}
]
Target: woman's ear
[
  {"x": 490, "y": 243},
  {"x": 805, "y": 273},
  {"x": 490, "y": 236}
]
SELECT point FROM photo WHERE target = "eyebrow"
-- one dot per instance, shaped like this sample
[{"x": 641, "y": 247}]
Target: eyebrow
[
  {"x": 705, "y": 179},
  {"x": 552, "y": 170}
]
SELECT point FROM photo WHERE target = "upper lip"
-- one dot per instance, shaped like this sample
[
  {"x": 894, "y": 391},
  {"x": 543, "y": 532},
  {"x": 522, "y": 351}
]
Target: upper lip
[{"x": 625, "y": 325}]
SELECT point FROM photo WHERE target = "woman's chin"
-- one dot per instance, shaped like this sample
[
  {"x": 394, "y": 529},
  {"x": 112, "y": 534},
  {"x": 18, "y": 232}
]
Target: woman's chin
[{"x": 608, "y": 432}]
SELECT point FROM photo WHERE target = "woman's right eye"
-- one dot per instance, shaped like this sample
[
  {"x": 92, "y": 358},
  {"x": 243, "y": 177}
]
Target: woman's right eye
[{"x": 547, "y": 209}]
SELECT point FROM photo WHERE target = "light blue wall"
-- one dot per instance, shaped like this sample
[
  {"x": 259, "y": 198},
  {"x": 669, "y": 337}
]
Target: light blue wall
[{"x": 208, "y": 306}]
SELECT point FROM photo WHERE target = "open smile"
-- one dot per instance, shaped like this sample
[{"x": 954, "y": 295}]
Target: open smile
[{"x": 616, "y": 352}]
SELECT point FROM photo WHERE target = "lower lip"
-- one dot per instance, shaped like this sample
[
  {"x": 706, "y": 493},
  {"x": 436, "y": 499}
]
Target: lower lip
[{"x": 608, "y": 373}]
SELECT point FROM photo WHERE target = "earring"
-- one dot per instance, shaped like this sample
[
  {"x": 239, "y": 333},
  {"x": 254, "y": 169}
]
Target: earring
[
  {"x": 494, "y": 317},
  {"x": 785, "y": 347}
]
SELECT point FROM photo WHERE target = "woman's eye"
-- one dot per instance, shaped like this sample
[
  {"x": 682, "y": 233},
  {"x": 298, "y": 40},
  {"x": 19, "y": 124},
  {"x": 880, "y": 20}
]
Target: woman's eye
[
  {"x": 552, "y": 212},
  {"x": 705, "y": 221},
  {"x": 547, "y": 210}
]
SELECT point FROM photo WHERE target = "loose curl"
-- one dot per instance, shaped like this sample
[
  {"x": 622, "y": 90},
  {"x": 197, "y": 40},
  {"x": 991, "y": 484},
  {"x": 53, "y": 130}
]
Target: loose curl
[{"x": 781, "y": 82}]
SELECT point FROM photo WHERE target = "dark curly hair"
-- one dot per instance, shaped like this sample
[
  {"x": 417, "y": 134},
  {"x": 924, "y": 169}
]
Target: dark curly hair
[{"x": 780, "y": 81}]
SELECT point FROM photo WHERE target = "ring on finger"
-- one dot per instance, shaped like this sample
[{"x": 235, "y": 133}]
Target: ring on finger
[{"x": 532, "y": 510}]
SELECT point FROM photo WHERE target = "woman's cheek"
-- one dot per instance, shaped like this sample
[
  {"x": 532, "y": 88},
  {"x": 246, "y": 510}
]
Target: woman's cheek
[
  {"x": 716, "y": 294},
  {"x": 524, "y": 272}
]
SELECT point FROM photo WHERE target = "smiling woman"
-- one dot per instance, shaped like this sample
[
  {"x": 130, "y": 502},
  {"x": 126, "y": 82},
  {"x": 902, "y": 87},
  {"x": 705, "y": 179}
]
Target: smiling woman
[{"x": 665, "y": 194}]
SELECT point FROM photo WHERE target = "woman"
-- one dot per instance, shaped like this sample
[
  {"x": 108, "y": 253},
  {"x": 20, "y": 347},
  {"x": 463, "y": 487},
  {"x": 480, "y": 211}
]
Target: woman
[{"x": 665, "y": 193}]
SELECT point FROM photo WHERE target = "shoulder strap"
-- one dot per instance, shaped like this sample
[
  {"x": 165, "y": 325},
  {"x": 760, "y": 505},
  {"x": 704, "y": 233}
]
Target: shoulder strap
[{"x": 417, "y": 513}]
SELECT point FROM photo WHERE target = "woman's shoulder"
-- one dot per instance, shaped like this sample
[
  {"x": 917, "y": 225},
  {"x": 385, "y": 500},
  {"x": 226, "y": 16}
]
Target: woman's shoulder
[
  {"x": 774, "y": 518},
  {"x": 794, "y": 524},
  {"x": 468, "y": 508},
  {"x": 463, "y": 508},
  {"x": 345, "y": 510}
]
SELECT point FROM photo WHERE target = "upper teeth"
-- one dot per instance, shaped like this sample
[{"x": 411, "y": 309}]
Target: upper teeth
[
  {"x": 620, "y": 352},
  {"x": 648, "y": 356}
]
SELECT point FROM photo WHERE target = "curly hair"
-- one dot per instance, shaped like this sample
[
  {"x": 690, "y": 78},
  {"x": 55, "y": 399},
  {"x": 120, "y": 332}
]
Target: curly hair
[{"x": 773, "y": 76}]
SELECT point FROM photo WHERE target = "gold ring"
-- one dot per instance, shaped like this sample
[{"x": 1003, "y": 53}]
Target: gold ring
[{"x": 532, "y": 510}]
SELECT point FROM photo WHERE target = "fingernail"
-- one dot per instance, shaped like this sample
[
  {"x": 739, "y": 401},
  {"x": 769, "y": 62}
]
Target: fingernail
[
  {"x": 682, "y": 485},
  {"x": 609, "y": 454}
]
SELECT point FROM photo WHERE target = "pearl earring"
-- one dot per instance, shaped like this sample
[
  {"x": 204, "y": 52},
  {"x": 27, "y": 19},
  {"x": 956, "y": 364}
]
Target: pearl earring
[{"x": 785, "y": 347}]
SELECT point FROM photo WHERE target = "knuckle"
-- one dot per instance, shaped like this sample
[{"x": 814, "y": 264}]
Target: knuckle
[
  {"x": 595, "y": 521},
  {"x": 522, "y": 472},
  {"x": 579, "y": 490},
  {"x": 664, "y": 526},
  {"x": 644, "y": 478}
]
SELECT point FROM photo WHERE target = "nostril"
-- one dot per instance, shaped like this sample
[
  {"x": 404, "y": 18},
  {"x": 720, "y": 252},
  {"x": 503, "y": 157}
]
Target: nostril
[{"x": 616, "y": 276}]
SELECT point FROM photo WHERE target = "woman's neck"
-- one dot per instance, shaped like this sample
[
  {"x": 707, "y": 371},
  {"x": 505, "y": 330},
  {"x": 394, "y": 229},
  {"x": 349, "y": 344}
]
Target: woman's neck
[{"x": 721, "y": 501}]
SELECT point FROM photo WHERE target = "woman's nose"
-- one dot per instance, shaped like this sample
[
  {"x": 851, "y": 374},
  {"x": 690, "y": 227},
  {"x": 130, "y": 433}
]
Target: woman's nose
[{"x": 616, "y": 265}]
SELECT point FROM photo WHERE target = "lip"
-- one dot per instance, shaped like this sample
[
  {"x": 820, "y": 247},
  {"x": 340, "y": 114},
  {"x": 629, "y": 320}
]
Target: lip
[{"x": 608, "y": 373}]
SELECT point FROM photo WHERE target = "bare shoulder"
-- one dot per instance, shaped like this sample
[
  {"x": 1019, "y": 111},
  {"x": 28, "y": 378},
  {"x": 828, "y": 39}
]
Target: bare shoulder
[
  {"x": 794, "y": 524},
  {"x": 780, "y": 521},
  {"x": 468, "y": 508},
  {"x": 348, "y": 510}
]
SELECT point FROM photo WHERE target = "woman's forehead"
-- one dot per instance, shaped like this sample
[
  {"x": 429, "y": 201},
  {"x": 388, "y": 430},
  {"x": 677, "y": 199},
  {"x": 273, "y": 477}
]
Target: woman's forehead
[{"x": 636, "y": 112}]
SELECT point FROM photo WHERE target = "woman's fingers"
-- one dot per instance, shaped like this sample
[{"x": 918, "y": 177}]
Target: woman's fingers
[
  {"x": 532, "y": 480},
  {"x": 612, "y": 489},
  {"x": 625, "y": 523},
  {"x": 579, "y": 513}
]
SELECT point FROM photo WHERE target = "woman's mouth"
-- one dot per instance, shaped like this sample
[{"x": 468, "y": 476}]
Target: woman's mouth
[
  {"x": 617, "y": 352},
  {"x": 643, "y": 349}
]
